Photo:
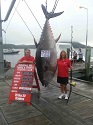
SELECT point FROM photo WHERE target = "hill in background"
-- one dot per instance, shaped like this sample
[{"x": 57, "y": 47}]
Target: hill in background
[
  {"x": 10, "y": 46},
  {"x": 76, "y": 44}
]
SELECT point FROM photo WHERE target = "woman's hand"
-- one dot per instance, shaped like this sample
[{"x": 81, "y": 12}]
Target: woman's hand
[
  {"x": 71, "y": 67},
  {"x": 22, "y": 62}
]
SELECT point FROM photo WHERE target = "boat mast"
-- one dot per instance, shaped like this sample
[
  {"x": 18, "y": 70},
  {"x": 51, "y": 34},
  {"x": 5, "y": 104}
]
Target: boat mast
[{"x": 2, "y": 74}]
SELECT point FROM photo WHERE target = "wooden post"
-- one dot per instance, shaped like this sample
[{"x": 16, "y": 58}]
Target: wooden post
[
  {"x": 68, "y": 52},
  {"x": 87, "y": 62},
  {"x": 24, "y": 51}
]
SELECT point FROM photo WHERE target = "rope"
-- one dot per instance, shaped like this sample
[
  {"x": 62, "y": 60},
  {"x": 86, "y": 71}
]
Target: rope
[
  {"x": 9, "y": 24},
  {"x": 20, "y": 17},
  {"x": 55, "y": 5},
  {"x": 33, "y": 14},
  {"x": 46, "y": 4},
  {"x": 12, "y": 16},
  {"x": 24, "y": 22}
]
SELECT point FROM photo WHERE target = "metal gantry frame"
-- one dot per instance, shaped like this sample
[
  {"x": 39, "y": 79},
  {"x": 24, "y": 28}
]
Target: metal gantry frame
[{"x": 2, "y": 73}]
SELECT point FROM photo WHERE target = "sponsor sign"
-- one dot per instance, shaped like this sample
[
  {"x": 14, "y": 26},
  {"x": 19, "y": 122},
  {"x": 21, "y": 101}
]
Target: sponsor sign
[
  {"x": 45, "y": 53},
  {"x": 22, "y": 83}
]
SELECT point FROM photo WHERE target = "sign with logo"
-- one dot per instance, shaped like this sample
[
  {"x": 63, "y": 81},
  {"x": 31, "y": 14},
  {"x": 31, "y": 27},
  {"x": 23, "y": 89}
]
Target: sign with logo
[
  {"x": 45, "y": 53},
  {"x": 22, "y": 83}
]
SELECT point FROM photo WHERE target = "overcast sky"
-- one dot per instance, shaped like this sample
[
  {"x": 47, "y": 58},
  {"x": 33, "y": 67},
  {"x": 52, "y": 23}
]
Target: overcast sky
[{"x": 17, "y": 32}]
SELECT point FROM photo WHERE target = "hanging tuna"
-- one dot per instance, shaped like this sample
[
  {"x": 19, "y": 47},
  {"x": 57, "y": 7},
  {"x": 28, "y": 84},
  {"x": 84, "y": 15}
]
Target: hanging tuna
[{"x": 46, "y": 55}]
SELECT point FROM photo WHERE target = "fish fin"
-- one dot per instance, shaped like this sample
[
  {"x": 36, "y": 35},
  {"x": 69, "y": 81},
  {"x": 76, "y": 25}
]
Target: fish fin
[
  {"x": 50, "y": 15},
  {"x": 58, "y": 38},
  {"x": 36, "y": 44},
  {"x": 44, "y": 10}
]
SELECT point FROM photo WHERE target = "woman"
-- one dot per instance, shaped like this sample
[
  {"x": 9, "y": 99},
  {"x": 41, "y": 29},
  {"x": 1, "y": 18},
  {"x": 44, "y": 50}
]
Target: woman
[
  {"x": 27, "y": 58},
  {"x": 74, "y": 57},
  {"x": 63, "y": 65},
  {"x": 80, "y": 53}
]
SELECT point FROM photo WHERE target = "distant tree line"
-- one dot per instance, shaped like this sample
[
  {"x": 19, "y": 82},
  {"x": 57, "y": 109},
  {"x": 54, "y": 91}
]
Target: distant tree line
[{"x": 10, "y": 46}]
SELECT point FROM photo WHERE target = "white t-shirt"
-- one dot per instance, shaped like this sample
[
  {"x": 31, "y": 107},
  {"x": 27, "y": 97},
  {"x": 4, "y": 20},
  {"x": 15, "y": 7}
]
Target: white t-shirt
[{"x": 80, "y": 54}]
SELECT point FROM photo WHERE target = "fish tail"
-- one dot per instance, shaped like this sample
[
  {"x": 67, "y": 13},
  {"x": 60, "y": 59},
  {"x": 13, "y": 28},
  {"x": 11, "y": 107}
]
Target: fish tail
[{"x": 50, "y": 15}]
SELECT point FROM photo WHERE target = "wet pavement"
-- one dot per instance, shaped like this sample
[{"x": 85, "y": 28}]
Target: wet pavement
[{"x": 46, "y": 108}]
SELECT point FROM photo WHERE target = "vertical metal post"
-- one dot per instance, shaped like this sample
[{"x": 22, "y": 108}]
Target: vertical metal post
[
  {"x": 71, "y": 68},
  {"x": 88, "y": 55},
  {"x": 86, "y": 36},
  {"x": 1, "y": 49},
  {"x": 71, "y": 50},
  {"x": 86, "y": 42},
  {"x": 2, "y": 74},
  {"x": 87, "y": 29},
  {"x": 68, "y": 53}
]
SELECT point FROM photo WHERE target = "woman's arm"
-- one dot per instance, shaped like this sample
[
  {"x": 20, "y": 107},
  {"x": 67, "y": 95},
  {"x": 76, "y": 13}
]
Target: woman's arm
[
  {"x": 22, "y": 62},
  {"x": 69, "y": 64}
]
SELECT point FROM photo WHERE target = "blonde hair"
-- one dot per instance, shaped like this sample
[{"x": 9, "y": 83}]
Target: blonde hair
[{"x": 61, "y": 54}]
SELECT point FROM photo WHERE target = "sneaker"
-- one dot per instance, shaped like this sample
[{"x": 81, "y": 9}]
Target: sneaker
[
  {"x": 60, "y": 97},
  {"x": 66, "y": 96}
]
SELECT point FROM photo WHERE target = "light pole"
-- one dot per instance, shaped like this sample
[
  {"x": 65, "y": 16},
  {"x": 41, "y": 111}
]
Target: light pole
[{"x": 86, "y": 32}]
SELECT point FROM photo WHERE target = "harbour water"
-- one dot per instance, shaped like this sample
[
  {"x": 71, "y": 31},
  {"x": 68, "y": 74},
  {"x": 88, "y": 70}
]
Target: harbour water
[{"x": 14, "y": 58}]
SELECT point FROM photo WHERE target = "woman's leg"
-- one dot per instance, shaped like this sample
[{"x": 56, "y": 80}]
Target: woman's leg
[
  {"x": 62, "y": 86},
  {"x": 62, "y": 90},
  {"x": 65, "y": 89},
  {"x": 66, "y": 96}
]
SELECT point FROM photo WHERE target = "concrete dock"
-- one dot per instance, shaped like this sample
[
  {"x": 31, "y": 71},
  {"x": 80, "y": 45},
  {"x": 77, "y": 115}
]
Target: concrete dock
[{"x": 46, "y": 108}]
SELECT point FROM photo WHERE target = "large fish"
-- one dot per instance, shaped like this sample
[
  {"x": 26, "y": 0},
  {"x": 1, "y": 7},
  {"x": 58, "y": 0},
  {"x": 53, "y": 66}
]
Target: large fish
[{"x": 46, "y": 55}]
